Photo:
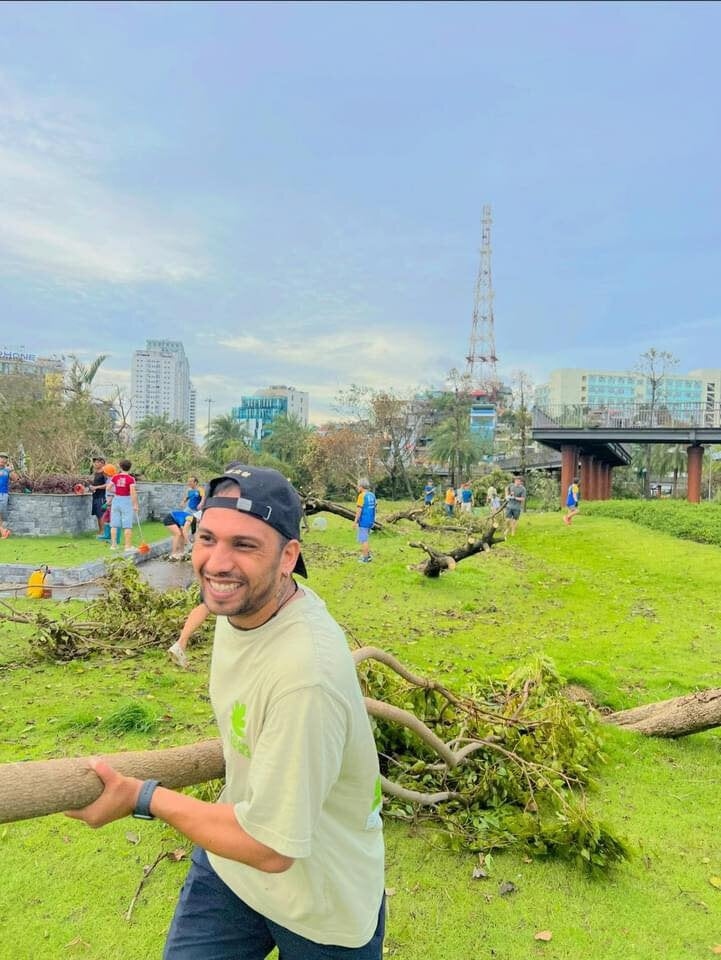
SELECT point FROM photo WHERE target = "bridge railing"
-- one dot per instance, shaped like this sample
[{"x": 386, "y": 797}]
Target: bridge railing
[{"x": 626, "y": 415}]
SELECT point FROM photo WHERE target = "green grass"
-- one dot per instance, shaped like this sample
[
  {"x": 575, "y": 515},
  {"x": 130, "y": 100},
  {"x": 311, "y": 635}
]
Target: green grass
[
  {"x": 69, "y": 551},
  {"x": 627, "y": 611}
]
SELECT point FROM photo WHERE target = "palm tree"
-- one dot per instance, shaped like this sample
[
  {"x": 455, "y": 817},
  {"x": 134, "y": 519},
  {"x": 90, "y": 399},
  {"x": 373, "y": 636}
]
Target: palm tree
[
  {"x": 225, "y": 434},
  {"x": 454, "y": 443},
  {"x": 80, "y": 376}
]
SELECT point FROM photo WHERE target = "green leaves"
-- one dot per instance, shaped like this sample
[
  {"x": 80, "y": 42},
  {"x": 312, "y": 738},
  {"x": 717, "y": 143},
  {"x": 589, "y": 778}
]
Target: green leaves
[{"x": 525, "y": 786}]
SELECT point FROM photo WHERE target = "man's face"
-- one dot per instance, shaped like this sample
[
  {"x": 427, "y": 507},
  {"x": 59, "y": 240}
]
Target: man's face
[
  {"x": 98, "y": 465},
  {"x": 3, "y": 462},
  {"x": 240, "y": 564}
]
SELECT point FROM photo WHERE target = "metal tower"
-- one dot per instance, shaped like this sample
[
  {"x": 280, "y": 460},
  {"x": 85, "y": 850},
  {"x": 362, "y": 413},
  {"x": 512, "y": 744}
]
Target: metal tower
[{"x": 481, "y": 359}]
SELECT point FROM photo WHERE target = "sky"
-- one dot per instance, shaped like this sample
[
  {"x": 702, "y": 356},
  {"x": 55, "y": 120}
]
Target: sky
[{"x": 294, "y": 190}]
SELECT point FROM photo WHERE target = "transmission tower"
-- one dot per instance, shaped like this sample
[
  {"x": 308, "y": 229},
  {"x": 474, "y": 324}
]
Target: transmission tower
[{"x": 481, "y": 359}]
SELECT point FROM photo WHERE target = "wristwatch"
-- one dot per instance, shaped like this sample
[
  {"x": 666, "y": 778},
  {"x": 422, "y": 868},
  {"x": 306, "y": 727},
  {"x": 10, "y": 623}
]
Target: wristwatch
[{"x": 142, "y": 807}]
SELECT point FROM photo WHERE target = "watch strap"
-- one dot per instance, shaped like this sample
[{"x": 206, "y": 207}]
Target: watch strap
[{"x": 142, "y": 807}]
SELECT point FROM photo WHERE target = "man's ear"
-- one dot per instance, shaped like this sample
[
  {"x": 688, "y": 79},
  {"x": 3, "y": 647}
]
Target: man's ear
[{"x": 289, "y": 557}]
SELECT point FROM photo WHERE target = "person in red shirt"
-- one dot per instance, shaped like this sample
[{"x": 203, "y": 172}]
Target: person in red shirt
[{"x": 124, "y": 507}]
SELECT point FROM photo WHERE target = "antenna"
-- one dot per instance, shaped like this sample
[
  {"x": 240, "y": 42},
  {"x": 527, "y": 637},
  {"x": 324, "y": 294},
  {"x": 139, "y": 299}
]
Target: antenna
[{"x": 481, "y": 359}]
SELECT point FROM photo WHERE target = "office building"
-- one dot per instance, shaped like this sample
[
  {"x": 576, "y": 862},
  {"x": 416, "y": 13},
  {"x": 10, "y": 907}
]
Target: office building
[
  {"x": 160, "y": 383},
  {"x": 258, "y": 412},
  {"x": 622, "y": 388}
]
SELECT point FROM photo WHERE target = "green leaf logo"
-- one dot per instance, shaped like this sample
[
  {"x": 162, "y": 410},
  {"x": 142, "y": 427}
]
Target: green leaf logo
[{"x": 237, "y": 729}]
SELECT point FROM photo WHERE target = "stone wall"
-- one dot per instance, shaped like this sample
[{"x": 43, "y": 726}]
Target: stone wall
[
  {"x": 161, "y": 498},
  {"x": 54, "y": 514}
]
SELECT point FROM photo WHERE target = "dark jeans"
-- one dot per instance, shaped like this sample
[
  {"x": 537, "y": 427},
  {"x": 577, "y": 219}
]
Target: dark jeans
[{"x": 212, "y": 923}]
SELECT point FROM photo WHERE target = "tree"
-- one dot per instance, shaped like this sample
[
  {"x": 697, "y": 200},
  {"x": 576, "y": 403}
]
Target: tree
[
  {"x": 79, "y": 378},
  {"x": 522, "y": 392},
  {"x": 453, "y": 442},
  {"x": 163, "y": 449},
  {"x": 288, "y": 443},
  {"x": 227, "y": 440},
  {"x": 654, "y": 365},
  {"x": 338, "y": 454}
]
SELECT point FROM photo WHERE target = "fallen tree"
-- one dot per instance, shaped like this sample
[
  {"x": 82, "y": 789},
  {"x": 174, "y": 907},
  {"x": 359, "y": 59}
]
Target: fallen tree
[
  {"x": 313, "y": 505},
  {"x": 507, "y": 764},
  {"x": 677, "y": 717},
  {"x": 439, "y": 561}
]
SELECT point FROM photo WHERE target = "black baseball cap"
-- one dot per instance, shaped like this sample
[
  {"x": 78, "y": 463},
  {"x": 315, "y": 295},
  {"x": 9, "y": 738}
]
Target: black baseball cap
[{"x": 265, "y": 494}]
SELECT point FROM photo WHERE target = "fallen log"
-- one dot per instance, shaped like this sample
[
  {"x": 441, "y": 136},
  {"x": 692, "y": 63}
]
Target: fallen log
[
  {"x": 41, "y": 787},
  {"x": 318, "y": 505},
  {"x": 677, "y": 717},
  {"x": 438, "y": 561},
  {"x": 30, "y": 789}
]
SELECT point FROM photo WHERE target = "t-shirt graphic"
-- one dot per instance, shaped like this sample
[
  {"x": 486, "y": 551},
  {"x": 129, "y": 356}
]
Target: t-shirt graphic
[{"x": 237, "y": 732}]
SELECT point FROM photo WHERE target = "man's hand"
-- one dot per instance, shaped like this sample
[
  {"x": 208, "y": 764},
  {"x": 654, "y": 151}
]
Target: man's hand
[{"x": 117, "y": 800}]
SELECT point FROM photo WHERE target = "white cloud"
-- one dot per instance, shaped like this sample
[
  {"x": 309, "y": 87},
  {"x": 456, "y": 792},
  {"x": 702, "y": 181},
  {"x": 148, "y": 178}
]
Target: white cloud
[{"x": 58, "y": 217}]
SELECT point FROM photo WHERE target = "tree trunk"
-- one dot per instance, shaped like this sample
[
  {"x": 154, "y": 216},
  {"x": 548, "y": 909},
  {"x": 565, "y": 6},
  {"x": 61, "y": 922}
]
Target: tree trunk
[
  {"x": 678, "y": 717},
  {"x": 38, "y": 788},
  {"x": 317, "y": 505}
]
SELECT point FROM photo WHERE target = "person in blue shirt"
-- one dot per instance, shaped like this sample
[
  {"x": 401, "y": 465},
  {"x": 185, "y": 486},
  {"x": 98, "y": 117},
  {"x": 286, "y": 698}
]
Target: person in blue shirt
[
  {"x": 365, "y": 517},
  {"x": 572, "y": 498},
  {"x": 194, "y": 496},
  {"x": 178, "y": 523},
  {"x": 429, "y": 493},
  {"x": 7, "y": 474}
]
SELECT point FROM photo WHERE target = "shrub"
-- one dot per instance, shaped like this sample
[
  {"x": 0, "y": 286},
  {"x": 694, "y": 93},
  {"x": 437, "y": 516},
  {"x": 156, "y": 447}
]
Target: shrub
[{"x": 688, "y": 521}]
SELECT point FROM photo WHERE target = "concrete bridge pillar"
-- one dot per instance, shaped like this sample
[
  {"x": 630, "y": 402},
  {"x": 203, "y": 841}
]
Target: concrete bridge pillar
[
  {"x": 608, "y": 479},
  {"x": 603, "y": 480},
  {"x": 588, "y": 484},
  {"x": 695, "y": 466},
  {"x": 569, "y": 468}
]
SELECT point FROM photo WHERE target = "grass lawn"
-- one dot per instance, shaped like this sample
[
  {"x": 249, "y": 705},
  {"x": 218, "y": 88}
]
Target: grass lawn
[
  {"x": 624, "y": 610},
  {"x": 69, "y": 551}
]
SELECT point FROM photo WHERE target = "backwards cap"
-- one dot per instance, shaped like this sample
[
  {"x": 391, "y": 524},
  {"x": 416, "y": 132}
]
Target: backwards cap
[{"x": 265, "y": 494}]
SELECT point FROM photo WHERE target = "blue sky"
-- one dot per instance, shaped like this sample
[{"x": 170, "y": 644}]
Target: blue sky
[{"x": 295, "y": 190}]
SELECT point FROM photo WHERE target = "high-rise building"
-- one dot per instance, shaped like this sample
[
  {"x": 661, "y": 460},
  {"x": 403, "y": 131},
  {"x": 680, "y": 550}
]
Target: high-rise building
[
  {"x": 160, "y": 383},
  {"x": 258, "y": 412},
  {"x": 623, "y": 387}
]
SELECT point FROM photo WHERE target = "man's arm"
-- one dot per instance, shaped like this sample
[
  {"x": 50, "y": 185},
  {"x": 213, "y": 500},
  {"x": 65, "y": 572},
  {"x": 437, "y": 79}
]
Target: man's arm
[{"x": 212, "y": 826}]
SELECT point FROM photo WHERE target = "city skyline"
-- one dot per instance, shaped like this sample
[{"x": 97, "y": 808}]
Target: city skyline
[{"x": 303, "y": 205}]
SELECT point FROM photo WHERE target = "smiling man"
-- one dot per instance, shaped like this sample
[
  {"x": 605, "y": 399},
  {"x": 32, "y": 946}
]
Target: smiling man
[{"x": 292, "y": 853}]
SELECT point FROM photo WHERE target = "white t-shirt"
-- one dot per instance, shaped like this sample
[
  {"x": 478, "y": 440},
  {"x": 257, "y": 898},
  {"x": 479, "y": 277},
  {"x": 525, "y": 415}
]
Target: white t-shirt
[{"x": 302, "y": 771}]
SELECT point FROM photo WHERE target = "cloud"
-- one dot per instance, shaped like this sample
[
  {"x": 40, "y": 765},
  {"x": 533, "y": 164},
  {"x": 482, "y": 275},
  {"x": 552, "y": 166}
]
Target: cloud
[
  {"x": 59, "y": 219},
  {"x": 364, "y": 354}
]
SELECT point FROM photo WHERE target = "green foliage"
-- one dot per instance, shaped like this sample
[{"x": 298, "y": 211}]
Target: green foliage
[
  {"x": 689, "y": 521},
  {"x": 163, "y": 450},
  {"x": 288, "y": 444},
  {"x": 227, "y": 440},
  {"x": 132, "y": 617},
  {"x": 524, "y": 785},
  {"x": 543, "y": 490}
]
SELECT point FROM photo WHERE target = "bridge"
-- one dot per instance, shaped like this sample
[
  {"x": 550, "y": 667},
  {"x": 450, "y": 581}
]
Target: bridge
[{"x": 591, "y": 438}]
